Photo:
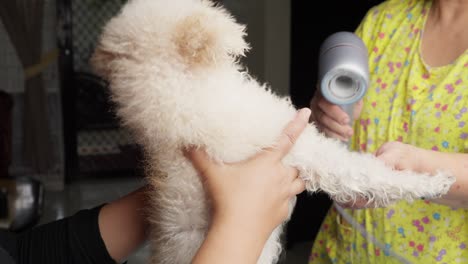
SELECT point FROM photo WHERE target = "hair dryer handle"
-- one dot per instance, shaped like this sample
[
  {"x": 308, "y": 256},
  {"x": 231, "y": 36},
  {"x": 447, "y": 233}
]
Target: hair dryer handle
[{"x": 349, "y": 110}]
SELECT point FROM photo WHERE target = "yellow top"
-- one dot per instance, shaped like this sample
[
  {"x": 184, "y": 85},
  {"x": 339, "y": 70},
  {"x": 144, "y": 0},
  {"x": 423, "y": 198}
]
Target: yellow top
[{"x": 411, "y": 102}]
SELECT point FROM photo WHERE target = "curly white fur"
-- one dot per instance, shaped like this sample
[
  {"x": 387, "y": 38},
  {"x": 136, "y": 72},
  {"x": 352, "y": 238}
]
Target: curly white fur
[{"x": 174, "y": 74}]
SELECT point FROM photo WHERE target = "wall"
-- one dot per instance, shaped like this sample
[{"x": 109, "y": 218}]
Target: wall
[
  {"x": 277, "y": 44},
  {"x": 12, "y": 81},
  {"x": 268, "y": 29}
]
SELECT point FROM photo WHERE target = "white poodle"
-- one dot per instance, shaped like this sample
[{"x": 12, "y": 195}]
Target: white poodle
[{"x": 174, "y": 73}]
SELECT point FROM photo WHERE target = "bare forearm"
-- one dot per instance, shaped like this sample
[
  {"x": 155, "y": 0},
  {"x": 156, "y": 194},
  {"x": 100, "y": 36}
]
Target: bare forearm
[
  {"x": 230, "y": 243},
  {"x": 453, "y": 203},
  {"x": 455, "y": 163},
  {"x": 122, "y": 225}
]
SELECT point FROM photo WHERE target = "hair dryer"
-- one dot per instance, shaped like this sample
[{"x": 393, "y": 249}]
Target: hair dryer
[{"x": 343, "y": 70}]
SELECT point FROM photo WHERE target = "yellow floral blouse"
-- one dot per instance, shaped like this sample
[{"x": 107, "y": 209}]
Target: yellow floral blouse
[{"x": 411, "y": 102}]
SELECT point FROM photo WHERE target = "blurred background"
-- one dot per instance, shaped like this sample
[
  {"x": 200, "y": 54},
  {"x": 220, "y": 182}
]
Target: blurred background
[{"x": 61, "y": 147}]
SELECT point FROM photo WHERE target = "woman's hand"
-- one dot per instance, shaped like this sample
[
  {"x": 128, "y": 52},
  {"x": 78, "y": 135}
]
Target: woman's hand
[
  {"x": 249, "y": 198},
  {"x": 331, "y": 119},
  {"x": 406, "y": 157},
  {"x": 399, "y": 156},
  {"x": 402, "y": 156},
  {"x": 258, "y": 188}
]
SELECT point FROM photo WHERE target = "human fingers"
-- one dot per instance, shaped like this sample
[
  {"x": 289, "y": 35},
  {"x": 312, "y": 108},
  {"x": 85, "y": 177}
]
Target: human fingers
[
  {"x": 331, "y": 125},
  {"x": 290, "y": 134},
  {"x": 314, "y": 105},
  {"x": 200, "y": 160},
  {"x": 292, "y": 173},
  {"x": 390, "y": 160},
  {"x": 297, "y": 186},
  {"x": 329, "y": 133},
  {"x": 383, "y": 148},
  {"x": 378, "y": 152},
  {"x": 333, "y": 111}
]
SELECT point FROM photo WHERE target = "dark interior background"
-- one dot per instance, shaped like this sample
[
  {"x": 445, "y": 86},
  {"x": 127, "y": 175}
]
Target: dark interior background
[
  {"x": 312, "y": 22},
  {"x": 96, "y": 160}
]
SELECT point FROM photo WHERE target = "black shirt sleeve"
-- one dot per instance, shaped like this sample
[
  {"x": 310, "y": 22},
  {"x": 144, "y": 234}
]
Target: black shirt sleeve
[{"x": 72, "y": 240}]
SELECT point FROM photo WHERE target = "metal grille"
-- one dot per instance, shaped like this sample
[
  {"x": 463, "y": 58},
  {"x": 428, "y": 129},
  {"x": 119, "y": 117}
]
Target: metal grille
[
  {"x": 89, "y": 16},
  {"x": 101, "y": 144}
]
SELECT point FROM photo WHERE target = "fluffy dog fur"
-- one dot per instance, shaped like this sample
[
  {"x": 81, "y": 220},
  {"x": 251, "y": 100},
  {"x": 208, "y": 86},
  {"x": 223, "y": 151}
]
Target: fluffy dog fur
[{"x": 176, "y": 80}]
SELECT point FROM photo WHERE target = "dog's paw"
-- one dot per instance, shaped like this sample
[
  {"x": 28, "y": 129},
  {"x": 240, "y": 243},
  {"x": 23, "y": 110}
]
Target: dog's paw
[
  {"x": 439, "y": 185},
  {"x": 381, "y": 192}
]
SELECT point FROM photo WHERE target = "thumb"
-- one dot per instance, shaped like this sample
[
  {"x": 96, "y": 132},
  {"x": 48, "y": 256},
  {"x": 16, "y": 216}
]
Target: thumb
[
  {"x": 290, "y": 134},
  {"x": 383, "y": 149},
  {"x": 200, "y": 160},
  {"x": 379, "y": 152}
]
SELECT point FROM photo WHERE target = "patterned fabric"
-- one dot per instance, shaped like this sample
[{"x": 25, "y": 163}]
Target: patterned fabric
[
  {"x": 89, "y": 17},
  {"x": 411, "y": 102}
]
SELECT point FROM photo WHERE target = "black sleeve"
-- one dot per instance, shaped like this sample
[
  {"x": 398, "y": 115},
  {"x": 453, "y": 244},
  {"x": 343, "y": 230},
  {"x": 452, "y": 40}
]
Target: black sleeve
[{"x": 73, "y": 240}]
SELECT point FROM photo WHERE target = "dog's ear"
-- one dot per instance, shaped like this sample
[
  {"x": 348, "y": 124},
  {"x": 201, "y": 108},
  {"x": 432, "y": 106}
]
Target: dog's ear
[{"x": 209, "y": 36}]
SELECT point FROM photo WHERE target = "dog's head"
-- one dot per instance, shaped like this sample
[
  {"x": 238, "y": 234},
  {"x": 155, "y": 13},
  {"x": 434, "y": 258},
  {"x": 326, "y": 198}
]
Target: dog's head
[{"x": 186, "y": 33}]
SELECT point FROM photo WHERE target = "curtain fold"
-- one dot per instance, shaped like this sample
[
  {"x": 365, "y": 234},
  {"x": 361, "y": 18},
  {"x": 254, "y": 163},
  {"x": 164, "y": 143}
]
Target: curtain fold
[{"x": 23, "y": 20}]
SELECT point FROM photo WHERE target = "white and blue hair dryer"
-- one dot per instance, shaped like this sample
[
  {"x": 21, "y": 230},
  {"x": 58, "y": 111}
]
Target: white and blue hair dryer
[{"x": 343, "y": 70}]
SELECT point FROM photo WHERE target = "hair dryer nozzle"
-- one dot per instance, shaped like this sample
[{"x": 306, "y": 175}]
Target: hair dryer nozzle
[{"x": 343, "y": 68}]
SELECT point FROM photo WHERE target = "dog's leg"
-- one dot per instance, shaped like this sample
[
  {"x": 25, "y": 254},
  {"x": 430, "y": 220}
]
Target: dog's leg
[
  {"x": 179, "y": 217},
  {"x": 326, "y": 164}
]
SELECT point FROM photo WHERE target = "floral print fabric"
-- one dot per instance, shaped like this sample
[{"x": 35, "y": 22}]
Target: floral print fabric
[{"x": 411, "y": 102}]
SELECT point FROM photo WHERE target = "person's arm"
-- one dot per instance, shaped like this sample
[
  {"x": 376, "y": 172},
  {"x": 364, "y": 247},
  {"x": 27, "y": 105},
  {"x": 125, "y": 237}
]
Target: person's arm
[
  {"x": 122, "y": 224},
  {"x": 407, "y": 157},
  {"x": 249, "y": 199},
  {"x": 101, "y": 235},
  {"x": 457, "y": 164}
]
